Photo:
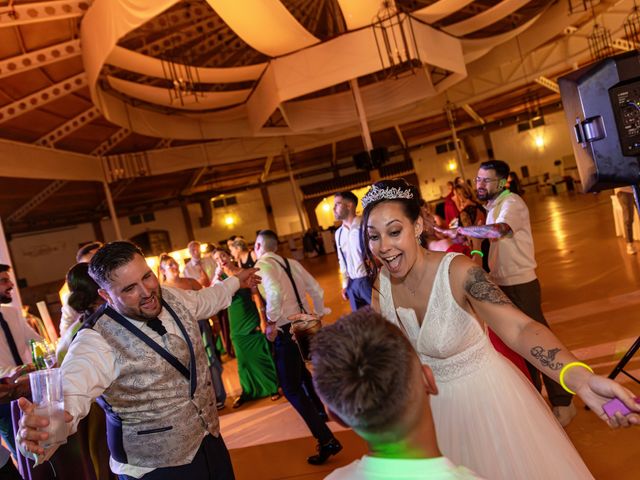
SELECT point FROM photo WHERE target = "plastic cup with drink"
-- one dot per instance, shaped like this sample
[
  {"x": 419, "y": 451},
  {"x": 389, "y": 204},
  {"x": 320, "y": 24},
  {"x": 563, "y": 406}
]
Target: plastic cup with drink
[
  {"x": 303, "y": 327},
  {"x": 48, "y": 398}
]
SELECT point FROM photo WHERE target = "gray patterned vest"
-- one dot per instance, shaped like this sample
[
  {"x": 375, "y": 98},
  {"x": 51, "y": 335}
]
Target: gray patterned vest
[{"x": 152, "y": 418}]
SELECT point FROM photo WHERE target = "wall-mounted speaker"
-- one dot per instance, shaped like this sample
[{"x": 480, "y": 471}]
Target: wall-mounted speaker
[{"x": 602, "y": 107}]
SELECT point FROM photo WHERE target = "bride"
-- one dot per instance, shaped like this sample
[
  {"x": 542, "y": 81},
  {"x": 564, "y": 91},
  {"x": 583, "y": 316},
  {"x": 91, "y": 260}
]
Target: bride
[{"x": 488, "y": 416}]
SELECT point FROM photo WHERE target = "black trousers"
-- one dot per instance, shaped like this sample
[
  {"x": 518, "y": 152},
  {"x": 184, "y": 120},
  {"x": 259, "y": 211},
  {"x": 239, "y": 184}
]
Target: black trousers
[
  {"x": 297, "y": 386},
  {"x": 212, "y": 462},
  {"x": 527, "y": 298}
]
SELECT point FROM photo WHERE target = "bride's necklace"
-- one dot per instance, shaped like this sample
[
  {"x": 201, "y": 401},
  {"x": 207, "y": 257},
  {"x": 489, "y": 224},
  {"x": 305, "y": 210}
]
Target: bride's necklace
[{"x": 412, "y": 291}]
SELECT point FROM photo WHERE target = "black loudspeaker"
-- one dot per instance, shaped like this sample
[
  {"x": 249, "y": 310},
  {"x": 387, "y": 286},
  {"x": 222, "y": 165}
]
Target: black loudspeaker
[
  {"x": 362, "y": 160},
  {"x": 602, "y": 106},
  {"x": 371, "y": 160},
  {"x": 379, "y": 156}
]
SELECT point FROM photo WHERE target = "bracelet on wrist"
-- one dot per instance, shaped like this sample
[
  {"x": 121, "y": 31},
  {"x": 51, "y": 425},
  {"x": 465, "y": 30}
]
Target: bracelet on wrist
[{"x": 568, "y": 367}]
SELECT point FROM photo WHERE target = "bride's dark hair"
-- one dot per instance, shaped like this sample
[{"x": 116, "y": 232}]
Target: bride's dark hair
[{"x": 410, "y": 206}]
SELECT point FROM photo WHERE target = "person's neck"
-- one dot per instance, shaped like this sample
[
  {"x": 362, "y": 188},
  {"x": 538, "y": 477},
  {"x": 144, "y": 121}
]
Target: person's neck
[
  {"x": 347, "y": 222},
  {"x": 415, "y": 274},
  {"x": 420, "y": 443},
  {"x": 493, "y": 200}
]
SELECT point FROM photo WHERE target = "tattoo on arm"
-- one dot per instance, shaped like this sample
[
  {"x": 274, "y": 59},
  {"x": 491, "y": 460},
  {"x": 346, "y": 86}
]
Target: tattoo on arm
[
  {"x": 479, "y": 287},
  {"x": 547, "y": 357},
  {"x": 495, "y": 230}
]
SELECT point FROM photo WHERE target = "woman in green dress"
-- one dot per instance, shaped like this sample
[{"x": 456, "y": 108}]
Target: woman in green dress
[{"x": 256, "y": 369}]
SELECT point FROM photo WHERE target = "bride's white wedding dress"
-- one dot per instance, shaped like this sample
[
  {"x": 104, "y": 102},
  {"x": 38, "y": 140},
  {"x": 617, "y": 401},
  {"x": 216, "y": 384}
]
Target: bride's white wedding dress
[{"x": 488, "y": 417}]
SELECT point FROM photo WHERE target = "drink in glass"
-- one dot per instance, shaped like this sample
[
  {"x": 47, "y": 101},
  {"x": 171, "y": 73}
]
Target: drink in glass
[
  {"x": 48, "y": 398},
  {"x": 304, "y": 326}
]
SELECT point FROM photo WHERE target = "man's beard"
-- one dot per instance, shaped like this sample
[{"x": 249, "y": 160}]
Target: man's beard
[
  {"x": 486, "y": 197},
  {"x": 138, "y": 313},
  {"x": 5, "y": 298}
]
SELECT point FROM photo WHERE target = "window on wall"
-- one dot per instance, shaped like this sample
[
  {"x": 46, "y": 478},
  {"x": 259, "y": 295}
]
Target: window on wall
[
  {"x": 142, "y": 218},
  {"x": 225, "y": 202}
]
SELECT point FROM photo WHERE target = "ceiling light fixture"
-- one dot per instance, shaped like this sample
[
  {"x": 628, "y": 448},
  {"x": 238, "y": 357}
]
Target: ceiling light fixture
[{"x": 395, "y": 40}]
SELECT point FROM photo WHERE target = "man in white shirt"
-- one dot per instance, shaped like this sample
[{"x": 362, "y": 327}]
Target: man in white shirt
[
  {"x": 512, "y": 263},
  {"x": 359, "y": 363},
  {"x": 356, "y": 286},
  {"x": 198, "y": 267},
  {"x": 140, "y": 355},
  {"x": 285, "y": 285},
  {"x": 15, "y": 352}
]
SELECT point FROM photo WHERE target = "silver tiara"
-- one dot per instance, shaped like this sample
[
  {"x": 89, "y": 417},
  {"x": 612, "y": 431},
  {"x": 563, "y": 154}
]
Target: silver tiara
[{"x": 390, "y": 193}]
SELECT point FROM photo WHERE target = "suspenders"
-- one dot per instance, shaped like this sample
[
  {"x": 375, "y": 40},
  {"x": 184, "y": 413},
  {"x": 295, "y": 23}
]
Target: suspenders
[{"x": 287, "y": 268}]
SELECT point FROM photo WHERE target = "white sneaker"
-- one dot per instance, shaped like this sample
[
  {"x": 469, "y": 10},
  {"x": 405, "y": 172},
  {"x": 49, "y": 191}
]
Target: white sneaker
[
  {"x": 631, "y": 250},
  {"x": 565, "y": 414}
]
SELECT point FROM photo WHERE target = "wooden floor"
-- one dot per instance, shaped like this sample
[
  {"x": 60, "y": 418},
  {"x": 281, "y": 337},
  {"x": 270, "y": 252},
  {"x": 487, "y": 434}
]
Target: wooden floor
[{"x": 591, "y": 297}]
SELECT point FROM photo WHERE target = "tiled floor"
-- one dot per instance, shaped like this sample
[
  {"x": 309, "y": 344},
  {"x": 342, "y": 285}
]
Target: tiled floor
[{"x": 591, "y": 297}]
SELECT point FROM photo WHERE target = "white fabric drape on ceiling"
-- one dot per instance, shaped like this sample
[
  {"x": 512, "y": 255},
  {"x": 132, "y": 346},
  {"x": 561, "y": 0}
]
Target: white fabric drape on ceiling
[
  {"x": 486, "y": 18},
  {"x": 439, "y": 10},
  {"x": 160, "y": 96},
  {"x": 359, "y": 13},
  {"x": 351, "y": 55},
  {"x": 146, "y": 65},
  {"x": 266, "y": 25}
]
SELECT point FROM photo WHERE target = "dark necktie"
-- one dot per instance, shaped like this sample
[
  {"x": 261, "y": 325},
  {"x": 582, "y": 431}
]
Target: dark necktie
[
  {"x": 10, "y": 341},
  {"x": 155, "y": 324}
]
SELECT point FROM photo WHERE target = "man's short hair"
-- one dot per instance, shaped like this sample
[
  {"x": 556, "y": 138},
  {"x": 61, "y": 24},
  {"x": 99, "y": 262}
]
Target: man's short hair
[
  {"x": 269, "y": 240},
  {"x": 83, "y": 250},
  {"x": 109, "y": 258},
  {"x": 4, "y": 268},
  {"x": 349, "y": 196},
  {"x": 192, "y": 243},
  {"x": 360, "y": 364},
  {"x": 240, "y": 243},
  {"x": 501, "y": 168}
]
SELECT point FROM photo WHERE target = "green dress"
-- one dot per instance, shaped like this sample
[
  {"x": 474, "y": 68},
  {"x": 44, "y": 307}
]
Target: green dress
[{"x": 256, "y": 369}]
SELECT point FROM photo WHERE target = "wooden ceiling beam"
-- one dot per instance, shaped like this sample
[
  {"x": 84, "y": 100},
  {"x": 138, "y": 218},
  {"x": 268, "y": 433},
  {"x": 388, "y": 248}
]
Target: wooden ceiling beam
[
  {"x": 39, "y": 58},
  {"x": 26, "y": 13},
  {"x": 110, "y": 142},
  {"x": 68, "y": 127},
  {"x": 36, "y": 200},
  {"x": 43, "y": 97}
]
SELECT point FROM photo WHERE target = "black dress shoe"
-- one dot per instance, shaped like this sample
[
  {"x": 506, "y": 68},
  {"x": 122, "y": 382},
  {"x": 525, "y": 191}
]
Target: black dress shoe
[{"x": 325, "y": 451}]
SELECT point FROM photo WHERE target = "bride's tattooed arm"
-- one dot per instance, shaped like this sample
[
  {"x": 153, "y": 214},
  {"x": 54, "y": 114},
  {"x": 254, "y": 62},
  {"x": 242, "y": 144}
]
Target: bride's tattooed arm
[
  {"x": 547, "y": 358},
  {"x": 478, "y": 286}
]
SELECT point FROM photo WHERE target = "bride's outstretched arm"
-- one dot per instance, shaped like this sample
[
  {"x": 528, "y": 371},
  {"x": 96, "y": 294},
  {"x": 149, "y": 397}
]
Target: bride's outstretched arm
[{"x": 535, "y": 342}]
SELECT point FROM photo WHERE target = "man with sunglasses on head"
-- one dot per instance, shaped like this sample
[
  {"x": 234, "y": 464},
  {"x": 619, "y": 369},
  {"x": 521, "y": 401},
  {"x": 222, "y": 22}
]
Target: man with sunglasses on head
[{"x": 512, "y": 262}]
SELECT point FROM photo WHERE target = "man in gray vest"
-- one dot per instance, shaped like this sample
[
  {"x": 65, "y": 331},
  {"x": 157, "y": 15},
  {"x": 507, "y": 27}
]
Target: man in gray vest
[{"x": 140, "y": 356}]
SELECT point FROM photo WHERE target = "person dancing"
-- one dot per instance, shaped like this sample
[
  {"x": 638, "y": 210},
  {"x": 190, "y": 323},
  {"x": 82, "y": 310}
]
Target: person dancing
[
  {"x": 488, "y": 416},
  {"x": 256, "y": 369}
]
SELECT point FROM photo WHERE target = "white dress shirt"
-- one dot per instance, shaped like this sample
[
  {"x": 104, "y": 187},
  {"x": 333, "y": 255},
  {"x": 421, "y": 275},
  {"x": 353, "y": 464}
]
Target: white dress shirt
[
  {"x": 90, "y": 367},
  {"x": 22, "y": 333},
  {"x": 350, "y": 255},
  {"x": 280, "y": 297},
  {"x": 194, "y": 269},
  {"x": 511, "y": 259},
  {"x": 68, "y": 316},
  {"x": 376, "y": 468}
]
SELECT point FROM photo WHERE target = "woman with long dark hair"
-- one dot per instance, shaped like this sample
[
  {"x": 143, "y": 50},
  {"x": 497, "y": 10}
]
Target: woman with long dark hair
[{"x": 488, "y": 416}]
